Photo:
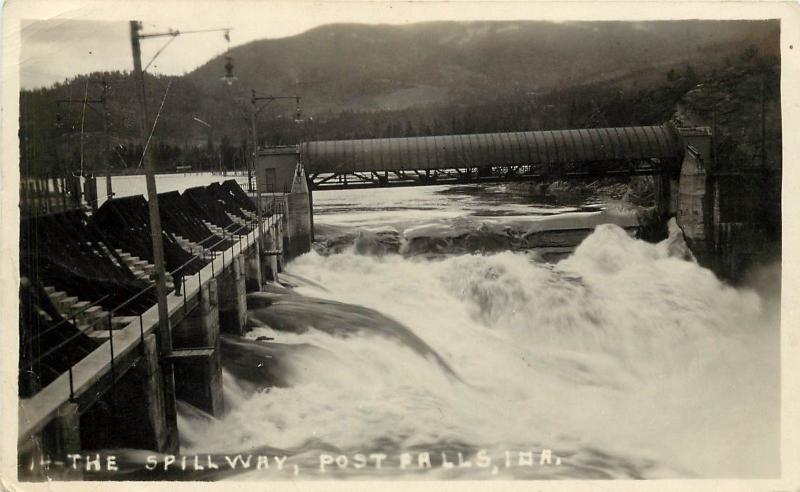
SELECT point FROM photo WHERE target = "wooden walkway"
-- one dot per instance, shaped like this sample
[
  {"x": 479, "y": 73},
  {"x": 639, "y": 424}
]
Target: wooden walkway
[{"x": 95, "y": 374}]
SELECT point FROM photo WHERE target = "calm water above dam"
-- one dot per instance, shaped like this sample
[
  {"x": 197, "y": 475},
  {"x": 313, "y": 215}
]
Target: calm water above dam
[
  {"x": 423, "y": 323},
  {"x": 135, "y": 184}
]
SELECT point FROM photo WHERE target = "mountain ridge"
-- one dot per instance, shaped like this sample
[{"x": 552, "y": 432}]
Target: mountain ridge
[
  {"x": 362, "y": 81},
  {"x": 354, "y": 67}
]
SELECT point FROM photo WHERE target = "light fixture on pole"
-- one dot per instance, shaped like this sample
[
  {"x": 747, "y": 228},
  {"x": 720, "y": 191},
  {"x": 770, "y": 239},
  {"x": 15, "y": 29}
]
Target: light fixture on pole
[
  {"x": 298, "y": 117},
  {"x": 229, "y": 77}
]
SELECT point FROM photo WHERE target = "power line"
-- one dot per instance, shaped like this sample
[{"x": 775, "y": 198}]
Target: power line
[{"x": 155, "y": 122}]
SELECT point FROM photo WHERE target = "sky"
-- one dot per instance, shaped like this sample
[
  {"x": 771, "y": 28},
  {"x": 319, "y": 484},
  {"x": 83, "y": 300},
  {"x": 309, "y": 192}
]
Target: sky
[
  {"x": 60, "y": 43},
  {"x": 59, "y": 39}
]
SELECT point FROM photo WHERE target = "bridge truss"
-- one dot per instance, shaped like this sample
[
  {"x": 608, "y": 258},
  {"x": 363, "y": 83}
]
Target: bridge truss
[{"x": 492, "y": 174}]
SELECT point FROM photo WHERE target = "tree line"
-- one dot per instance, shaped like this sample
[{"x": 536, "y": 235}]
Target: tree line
[{"x": 60, "y": 137}]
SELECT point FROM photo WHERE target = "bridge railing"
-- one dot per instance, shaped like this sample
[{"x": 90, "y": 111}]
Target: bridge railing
[{"x": 249, "y": 227}]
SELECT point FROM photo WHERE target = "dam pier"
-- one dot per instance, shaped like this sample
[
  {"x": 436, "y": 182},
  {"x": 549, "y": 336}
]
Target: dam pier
[{"x": 95, "y": 372}]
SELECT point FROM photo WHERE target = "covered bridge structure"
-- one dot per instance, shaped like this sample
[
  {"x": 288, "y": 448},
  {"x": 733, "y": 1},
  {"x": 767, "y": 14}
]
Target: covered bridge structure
[
  {"x": 718, "y": 207},
  {"x": 414, "y": 161}
]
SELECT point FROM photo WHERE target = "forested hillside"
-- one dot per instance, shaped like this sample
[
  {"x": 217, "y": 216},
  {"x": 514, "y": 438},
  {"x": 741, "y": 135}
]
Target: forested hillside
[{"x": 361, "y": 81}]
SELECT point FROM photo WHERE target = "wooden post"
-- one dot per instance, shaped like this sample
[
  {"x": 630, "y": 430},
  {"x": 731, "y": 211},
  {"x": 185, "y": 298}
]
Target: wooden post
[
  {"x": 45, "y": 194},
  {"x": 23, "y": 195},
  {"x": 109, "y": 190},
  {"x": 259, "y": 214},
  {"x": 74, "y": 190},
  {"x": 164, "y": 332},
  {"x": 42, "y": 195},
  {"x": 106, "y": 141},
  {"x": 34, "y": 196},
  {"x": 252, "y": 165},
  {"x": 763, "y": 126},
  {"x": 50, "y": 190},
  {"x": 152, "y": 194},
  {"x": 63, "y": 183},
  {"x": 310, "y": 184},
  {"x": 30, "y": 185},
  {"x": 66, "y": 440},
  {"x": 90, "y": 191}
]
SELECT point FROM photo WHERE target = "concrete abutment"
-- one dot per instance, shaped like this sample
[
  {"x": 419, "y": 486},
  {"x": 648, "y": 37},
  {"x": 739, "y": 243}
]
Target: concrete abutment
[
  {"x": 298, "y": 217},
  {"x": 254, "y": 277},
  {"x": 233, "y": 298},
  {"x": 197, "y": 360},
  {"x": 134, "y": 413},
  {"x": 724, "y": 211}
]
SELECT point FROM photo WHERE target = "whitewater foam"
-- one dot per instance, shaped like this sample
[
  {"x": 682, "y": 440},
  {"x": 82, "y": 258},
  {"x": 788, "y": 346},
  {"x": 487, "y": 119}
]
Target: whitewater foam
[{"x": 626, "y": 358}]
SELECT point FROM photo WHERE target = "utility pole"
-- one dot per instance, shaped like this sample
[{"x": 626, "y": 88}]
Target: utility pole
[
  {"x": 164, "y": 332},
  {"x": 252, "y": 167},
  {"x": 763, "y": 126},
  {"x": 106, "y": 142},
  {"x": 91, "y": 197}
]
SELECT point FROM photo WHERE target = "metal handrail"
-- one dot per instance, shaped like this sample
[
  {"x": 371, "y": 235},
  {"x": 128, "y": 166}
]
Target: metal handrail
[
  {"x": 92, "y": 325},
  {"x": 194, "y": 258},
  {"x": 64, "y": 342},
  {"x": 248, "y": 226},
  {"x": 120, "y": 306},
  {"x": 72, "y": 316},
  {"x": 213, "y": 252}
]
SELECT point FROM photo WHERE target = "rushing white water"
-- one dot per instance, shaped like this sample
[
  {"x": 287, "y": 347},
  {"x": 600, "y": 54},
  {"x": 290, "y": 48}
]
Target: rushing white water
[{"x": 626, "y": 359}]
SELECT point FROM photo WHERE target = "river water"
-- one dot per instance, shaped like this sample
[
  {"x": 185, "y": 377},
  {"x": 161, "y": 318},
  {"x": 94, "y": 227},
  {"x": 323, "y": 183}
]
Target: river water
[{"x": 425, "y": 324}]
